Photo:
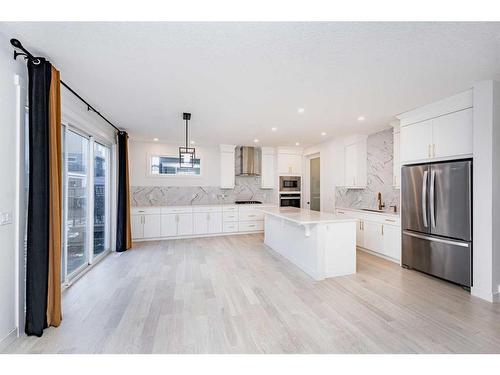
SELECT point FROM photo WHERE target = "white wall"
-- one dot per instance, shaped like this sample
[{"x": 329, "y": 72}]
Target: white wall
[
  {"x": 138, "y": 159},
  {"x": 8, "y": 69},
  {"x": 486, "y": 198}
]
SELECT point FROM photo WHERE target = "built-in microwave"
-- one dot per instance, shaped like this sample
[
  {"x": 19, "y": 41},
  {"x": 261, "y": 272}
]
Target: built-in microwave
[{"x": 289, "y": 183}]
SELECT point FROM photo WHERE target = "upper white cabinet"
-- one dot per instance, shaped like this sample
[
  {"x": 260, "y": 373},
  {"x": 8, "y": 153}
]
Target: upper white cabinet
[
  {"x": 267, "y": 174},
  {"x": 396, "y": 160},
  {"x": 227, "y": 168},
  {"x": 441, "y": 130},
  {"x": 355, "y": 159},
  {"x": 289, "y": 161},
  {"x": 416, "y": 141},
  {"x": 452, "y": 134}
]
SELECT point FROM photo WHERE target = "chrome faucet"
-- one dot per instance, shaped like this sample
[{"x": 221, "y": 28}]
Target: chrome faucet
[{"x": 379, "y": 200}]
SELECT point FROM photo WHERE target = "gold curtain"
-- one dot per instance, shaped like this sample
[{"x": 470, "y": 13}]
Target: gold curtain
[{"x": 54, "y": 311}]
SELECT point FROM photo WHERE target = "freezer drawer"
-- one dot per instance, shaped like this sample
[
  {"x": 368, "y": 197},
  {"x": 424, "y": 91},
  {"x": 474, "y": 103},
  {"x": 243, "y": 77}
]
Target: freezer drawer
[{"x": 449, "y": 260}]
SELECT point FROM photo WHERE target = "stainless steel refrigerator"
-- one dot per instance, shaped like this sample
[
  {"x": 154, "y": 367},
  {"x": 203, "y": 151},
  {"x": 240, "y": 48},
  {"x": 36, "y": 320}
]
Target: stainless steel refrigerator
[{"x": 436, "y": 219}]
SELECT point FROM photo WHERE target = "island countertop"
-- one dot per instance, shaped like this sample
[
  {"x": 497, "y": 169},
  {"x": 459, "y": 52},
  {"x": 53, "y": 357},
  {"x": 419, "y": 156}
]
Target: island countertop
[{"x": 304, "y": 217}]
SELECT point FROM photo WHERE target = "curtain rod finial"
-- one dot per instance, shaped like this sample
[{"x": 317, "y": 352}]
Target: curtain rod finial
[{"x": 16, "y": 43}]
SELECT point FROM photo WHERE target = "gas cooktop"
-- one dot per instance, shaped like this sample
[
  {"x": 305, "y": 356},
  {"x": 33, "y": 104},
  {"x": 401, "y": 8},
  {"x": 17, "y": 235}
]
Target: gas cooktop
[{"x": 248, "y": 202}]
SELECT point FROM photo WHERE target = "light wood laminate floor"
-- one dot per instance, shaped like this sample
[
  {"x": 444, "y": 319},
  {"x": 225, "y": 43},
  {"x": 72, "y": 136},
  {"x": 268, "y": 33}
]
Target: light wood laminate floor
[{"x": 233, "y": 295}]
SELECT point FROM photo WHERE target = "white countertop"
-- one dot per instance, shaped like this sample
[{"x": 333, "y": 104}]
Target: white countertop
[
  {"x": 304, "y": 217},
  {"x": 391, "y": 213}
]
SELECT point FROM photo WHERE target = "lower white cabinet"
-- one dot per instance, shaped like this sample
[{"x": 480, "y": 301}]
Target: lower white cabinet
[
  {"x": 180, "y": 224},
  {"x": 175, "y": 221},
  {"x": 377, "y": 232},
  {"x": 373, "y": 236},
  {"x": 392, "y": 241}
]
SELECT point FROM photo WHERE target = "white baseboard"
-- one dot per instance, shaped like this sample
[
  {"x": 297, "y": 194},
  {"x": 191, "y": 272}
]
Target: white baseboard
[{"x": 195, "y": 236}]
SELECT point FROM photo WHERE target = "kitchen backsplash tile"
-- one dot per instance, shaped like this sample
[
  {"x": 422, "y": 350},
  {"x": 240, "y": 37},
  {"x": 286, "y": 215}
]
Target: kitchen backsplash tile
[
  {"x": 246, "y": 188},
  {"x": 380, "y": 148}
]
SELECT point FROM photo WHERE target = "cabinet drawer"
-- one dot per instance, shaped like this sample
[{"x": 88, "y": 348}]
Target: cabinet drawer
[
  {"x": 247, "y": 226},
  {"x": 145, "y": 210},
  {"x": 230, "y": 208},
  {"x": 230, "y": 227},
  {"x": 207, "y": 208},
  {"x": 176, "y": 210},
  {"x": 230, "y": 216},
  {"x": 249, "y": 215}
]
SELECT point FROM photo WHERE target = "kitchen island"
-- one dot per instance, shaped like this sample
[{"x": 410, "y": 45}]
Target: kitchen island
[{"x": 321, "y": 244}]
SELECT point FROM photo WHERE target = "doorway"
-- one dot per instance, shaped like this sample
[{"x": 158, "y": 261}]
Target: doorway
[{"x": 314, "y": 184}]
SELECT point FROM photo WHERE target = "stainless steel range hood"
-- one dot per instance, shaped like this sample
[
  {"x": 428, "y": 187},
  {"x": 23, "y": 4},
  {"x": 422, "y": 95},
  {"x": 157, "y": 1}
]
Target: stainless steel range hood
[{"x": 247, "y": 161}]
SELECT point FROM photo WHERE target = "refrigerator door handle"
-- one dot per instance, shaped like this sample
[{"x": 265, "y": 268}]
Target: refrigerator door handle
[
  {"x": 424, "y": 199},
  {"x": 440, "y": 240},
  {"x": 431, "y": 198}
]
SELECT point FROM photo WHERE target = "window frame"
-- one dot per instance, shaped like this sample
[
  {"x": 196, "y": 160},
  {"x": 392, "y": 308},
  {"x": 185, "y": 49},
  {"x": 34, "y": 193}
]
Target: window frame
[{"x": 159, "y": 175}]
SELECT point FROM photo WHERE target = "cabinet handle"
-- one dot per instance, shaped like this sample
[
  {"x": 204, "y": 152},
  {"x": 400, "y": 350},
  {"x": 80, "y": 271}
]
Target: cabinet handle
[
  {"x": 251, "y": 215},
  {"x": 433, "y": 150},
  {"x": 382, "y": 229},
  {"x": 363, "y": 225},
  {"x": 390, "y": 220},
  {"x": 143, "y": 219}
]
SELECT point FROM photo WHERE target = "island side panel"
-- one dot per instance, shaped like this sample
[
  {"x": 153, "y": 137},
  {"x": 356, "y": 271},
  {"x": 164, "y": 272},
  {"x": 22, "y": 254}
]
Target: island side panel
[
  {"x": 289, "y": 240},
  {"x": 337, "y": 248}
]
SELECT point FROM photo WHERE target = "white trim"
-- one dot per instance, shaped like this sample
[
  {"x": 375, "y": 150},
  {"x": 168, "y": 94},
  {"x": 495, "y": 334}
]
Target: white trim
[
  {"x": 20, "y": 208},
  {"x": 393, "y": 260}
]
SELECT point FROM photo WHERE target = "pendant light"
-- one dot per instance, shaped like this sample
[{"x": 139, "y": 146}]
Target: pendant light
[{"x": 186, "y": 154}]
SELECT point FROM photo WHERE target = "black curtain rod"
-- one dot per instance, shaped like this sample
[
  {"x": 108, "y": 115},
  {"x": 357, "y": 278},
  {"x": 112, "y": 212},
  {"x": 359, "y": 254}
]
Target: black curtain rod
[{"x": 27, "y": 55}]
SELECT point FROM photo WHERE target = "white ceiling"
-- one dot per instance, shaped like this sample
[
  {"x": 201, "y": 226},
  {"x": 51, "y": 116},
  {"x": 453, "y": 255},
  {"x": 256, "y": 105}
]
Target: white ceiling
[{"x": 241, "y": 79}]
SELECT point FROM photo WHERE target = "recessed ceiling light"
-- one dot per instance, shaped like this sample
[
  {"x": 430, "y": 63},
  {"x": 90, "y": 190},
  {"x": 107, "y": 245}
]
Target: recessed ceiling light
[
  {"x": 155, "y": 139},
  {"x": 300, "y": 110},
  {"x": 361, "y": 118},
  {"x": 192, "y": 142},
  {"x": 297, "y": 144},
  {"x": 323, "y": 133},
  {"x": 274, "y": 129},
  {"x": 256, "y": 140}
]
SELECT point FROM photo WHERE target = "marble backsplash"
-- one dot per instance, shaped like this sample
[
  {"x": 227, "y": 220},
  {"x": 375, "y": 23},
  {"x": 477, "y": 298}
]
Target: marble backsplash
[
  {"x": 246, "y": 188},
  {"x": 379, "y": 176}
]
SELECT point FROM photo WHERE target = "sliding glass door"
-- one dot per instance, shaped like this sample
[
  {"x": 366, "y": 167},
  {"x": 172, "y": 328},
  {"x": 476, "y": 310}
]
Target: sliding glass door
[
  {"x": 86, "y": 183},
  {"x": 101, "y": 198}
]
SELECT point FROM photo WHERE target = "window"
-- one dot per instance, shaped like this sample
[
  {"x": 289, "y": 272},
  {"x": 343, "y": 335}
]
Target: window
[
  {"x": 77, "y": 148},
  {"x": 101, "y": 198},
  {"x": 86, "y": 204},
  {"x": 169, "y": 166}
]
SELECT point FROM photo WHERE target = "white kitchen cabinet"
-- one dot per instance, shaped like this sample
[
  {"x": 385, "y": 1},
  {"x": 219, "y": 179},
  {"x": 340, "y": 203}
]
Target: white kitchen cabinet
[
  {"x": 179, "y": 224},
  {"x": 355, "y": 159},
  {"x": 168, "y": 225},
  {"x": 416, "y": 141},
  {"x": 360, "y": 234},
  {"x": 267, "y": 173},
  {"x": 396, "y": 158},
  {"x": 137, "y": 227},
  {"x": 227, "y": 167},
  {"x": 215, "y": 222},
  {"x": 200, "y": 222},
  {"x": 452, "y": 134},
  {"x": 373, "y": 236},
  {"x": 145, "y": 222},
  {"x": 289, "y": 162},
  {"x": 438, "y": 131},
  {"x": 152, "y": 227},
  {"x": 392, "y": 241}
]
